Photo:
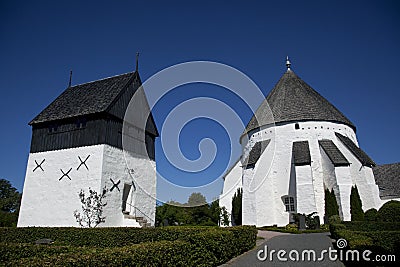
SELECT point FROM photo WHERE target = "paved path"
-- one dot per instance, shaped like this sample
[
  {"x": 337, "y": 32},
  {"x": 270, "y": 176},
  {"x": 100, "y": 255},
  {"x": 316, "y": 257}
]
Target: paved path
[{"x": 277, "y": 241}]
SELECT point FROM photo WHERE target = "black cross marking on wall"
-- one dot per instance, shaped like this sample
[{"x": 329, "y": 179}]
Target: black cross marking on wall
[
  {"x": 83, "y": 162},
  {"x": 38, "y": 165},
  {"x": 115, "y": 185},
  {"x": 65, "y": 174}
]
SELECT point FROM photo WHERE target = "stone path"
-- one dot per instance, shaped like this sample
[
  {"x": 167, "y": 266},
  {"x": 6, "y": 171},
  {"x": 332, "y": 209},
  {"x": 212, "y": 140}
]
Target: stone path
[{"x": 287, "y": 242}]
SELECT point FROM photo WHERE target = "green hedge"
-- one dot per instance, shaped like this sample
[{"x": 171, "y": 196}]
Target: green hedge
[
  {"x": 98, "y": 237},
  {"x": 372, "y": 226},
  {"x": 377, "y": 237},
  {"x": 389, "y": 212},
  {"x": 197, "y": 246},
  {"x": 161, "y": 253}
]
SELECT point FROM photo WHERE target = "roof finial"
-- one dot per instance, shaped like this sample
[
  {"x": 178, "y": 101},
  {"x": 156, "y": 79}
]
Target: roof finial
[
  {"x": 288, "y": 63},
  {"x": 137, "y": 61},
  {"x": 70, "y": 78}
]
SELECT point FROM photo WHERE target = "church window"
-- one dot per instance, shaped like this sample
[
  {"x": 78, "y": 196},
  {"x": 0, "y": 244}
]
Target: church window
[
  {"x": 289, "y": 204},
  {"x": 296, "y": 126}
]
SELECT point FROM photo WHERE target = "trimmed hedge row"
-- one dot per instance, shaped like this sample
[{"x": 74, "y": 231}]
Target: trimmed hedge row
[
  {"x": 161, "y": 253},
  {"x": 377, "y": 237},
  {"x": 98, "y": 237},
  {"x": 203, "y": 246}
]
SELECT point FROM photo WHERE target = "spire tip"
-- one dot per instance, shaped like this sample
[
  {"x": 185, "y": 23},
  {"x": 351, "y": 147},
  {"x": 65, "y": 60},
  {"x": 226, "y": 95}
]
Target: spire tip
[{"x": 288, "y": 64}]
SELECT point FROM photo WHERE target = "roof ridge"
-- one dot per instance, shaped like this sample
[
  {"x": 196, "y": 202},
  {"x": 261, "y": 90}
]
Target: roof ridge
[{"x": 115, "y": 76}]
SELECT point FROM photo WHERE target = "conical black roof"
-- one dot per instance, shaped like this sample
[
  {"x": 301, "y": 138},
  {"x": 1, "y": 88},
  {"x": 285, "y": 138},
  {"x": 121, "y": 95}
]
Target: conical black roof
[{"x": 294, "y": 100}]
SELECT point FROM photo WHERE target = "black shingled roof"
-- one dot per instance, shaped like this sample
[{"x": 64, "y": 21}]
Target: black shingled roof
[
  {"x": 256, "y": 152},
  {"x": 387, "y": 178},
  {"x": 334, "y": 154},
  {"x": 84, "y": 99},
  {"x": 357, "y": 152},
  {"x": 90, "y": 98},
  {"x": 294, "y": 100},
  {"x": 301, "y": 153}
]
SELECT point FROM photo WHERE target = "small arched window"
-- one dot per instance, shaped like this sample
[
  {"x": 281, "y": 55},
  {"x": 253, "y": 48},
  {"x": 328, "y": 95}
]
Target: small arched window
[{"x": 296, "y": 126}]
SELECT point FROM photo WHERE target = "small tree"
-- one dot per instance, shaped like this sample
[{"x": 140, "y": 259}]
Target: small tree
[
  {"x": 237, "y": 206},
  {"x": 224, "y": 216},
  {"x": 10, "y": 201},
  {"x": 196, "y": 199},
  {"x": 331, "y": 206},
  {"x": 92, "y": 208},
  {"x": 357, "y": 214}
]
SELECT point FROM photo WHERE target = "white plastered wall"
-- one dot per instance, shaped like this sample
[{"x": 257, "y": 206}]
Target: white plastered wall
[
  {"x": 233, "y": 181},
  {"x": 48, "y": 201},
  {"x": 266, "y": 207}
]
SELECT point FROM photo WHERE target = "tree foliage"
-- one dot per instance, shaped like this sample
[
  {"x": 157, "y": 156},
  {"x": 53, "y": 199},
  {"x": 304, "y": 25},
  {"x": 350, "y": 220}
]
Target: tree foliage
[
  {"x": 237, "y": 207},
  {"x": 389, "y": 212},
  {"x": 10, "y": 200},
  {"x": 371, "y": 215},
  {"x": 190, "y": 213},
  {"x": 92, "y": 208},
  {"x": 331, "y": 206},
  {"x": 356, "y": 211},
  {"x": 196, "y": 199}
]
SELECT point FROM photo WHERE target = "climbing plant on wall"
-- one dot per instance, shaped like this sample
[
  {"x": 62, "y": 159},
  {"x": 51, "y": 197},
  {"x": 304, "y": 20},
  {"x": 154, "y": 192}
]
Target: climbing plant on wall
[{"x": 92, "y": 208}]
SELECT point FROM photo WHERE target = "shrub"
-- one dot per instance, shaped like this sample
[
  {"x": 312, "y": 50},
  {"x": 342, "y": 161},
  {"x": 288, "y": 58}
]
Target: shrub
[
  {"x": 356, "y": 210},
  {"x": 324, "y": 227},
  {"x": 291, "y": 227},
  {"x": 162, "y": 253},
  {"x": 237, "y": 206},
  {"x": 371, "y": 215},
  {"x": 331, "y": 206},
  {"x": 196, "y": 246},
  {"x": 389, "y": 212},
  {"x": 334, "y": 219},
  {"x": 380, "y": 238}
]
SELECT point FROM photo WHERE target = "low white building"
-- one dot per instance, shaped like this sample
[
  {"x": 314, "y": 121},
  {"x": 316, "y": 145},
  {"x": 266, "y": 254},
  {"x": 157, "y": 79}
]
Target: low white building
[
  {"x": 295, "y": 146},
  {"x": 77, "y": 145}
]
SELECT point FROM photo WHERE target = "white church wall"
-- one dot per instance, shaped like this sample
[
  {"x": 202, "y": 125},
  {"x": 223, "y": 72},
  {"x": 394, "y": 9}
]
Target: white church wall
[
  {"x": 264, "y": 186},
  {"x": 305, "y": 198},
  {"x": 278, "y": 175},
  {"x": 343, "y": 191},
  {"x": 328, "y": 171},
  {"x": 49, "y": 201},
  {"x": 233, "y": 181},
  {"x": 249, "y": 207},
  {"x": 128, "y": 169},
  {"x": 363, "y": 177}
]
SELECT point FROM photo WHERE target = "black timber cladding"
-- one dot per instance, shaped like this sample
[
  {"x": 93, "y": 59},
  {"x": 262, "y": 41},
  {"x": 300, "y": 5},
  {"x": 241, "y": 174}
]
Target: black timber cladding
[
  {"x": 333, "y": 153},
  {"x": 356, "y": 151},
  {"x": 293, "y": 100},
  {"x": 256, "y": 152},
  {"x": 387, "y": 177},
  {"x": 90, "y": 114},
  {"x": 301, "y": 153}
]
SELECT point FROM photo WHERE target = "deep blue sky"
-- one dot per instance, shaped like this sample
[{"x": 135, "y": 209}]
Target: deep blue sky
[{"x": 347, "y": 50}]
